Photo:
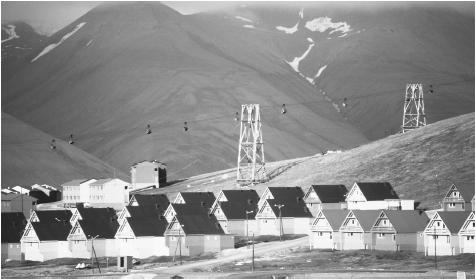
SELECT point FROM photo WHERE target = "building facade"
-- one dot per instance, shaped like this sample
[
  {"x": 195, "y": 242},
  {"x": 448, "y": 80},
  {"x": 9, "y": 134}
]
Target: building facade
[{"x": 148, "y": 173}]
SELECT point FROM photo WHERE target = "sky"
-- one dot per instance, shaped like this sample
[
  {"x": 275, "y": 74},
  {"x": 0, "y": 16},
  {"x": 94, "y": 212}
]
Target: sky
[{"x": 48, "y": 17}]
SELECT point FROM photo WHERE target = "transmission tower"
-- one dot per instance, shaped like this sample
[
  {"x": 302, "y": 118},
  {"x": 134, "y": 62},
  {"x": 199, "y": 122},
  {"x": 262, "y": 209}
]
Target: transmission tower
[
  {"x": 251, "y": 163},
  {"x": 413, "y": 108}
]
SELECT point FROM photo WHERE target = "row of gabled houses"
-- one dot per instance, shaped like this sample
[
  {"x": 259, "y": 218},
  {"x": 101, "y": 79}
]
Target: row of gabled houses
[
  {"x": 369, "y": 216},
  {"x": 450, "y": 233}
]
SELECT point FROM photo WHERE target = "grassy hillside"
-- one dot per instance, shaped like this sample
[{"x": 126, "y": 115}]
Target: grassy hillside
[
  {"x": 27, "y": 158},
  {"x": 419, "y": 164}
]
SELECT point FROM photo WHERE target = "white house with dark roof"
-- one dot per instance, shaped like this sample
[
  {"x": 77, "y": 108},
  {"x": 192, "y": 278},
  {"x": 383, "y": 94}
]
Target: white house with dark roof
[
  {"x": 46, "y": 239},
  {"x": 325, "y": 197},
  {"x": 396, "y": 230},
  {"x": 281, "y": 210},
  {"x": 193, "y": 231},
  {"x": 325, "y": 229},
  {"x": 235, "y": 210},
  {"x": 376, "y": 195},
  {"x": 204, "y": 200},
  {"x": 466, "y": 235},
  {"x": 142, "y": 237},
  {"x": 98, "y": 223},
  {"x": 441, "y": 233},
  {"x": 459, "y": 198},
  {"x": 355, "y": 231}
]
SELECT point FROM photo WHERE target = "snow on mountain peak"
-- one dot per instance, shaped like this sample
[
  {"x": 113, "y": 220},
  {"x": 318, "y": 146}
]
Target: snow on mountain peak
[
  {"x": 295, "y": 63},
  {"x": 11, "y": 32},
  {"x": 288, "y": 30},
  {"x": 320, "y": 71},
  {"x": 53, "y": 46},
  {"x": 321, "y": 24},
  {"x": 243, "y": 18}
]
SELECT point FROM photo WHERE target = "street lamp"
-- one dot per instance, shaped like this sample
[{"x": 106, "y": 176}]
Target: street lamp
[
  {"x": 247, "y": 238},
  {"x": 92, "y": 250},
  {"x": 180, "y": 244},
  {"x": 279, "y": 206}
]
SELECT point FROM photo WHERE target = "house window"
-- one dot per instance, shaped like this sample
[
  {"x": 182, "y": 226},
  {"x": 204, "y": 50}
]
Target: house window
[
  {"x": 351, "y": 234},
  {"x": 437, "y": 224},
  {"x": 448, "y": 239},
  {"x": 473, "y": 224},
  {"x": 380, "y": 235},
  {"x": 330, "y": 235},
  {"x": 384, "y": 222},
  {"x": 452, "y": 205},
  {"x": 435, "y": 237},
  {"x": 320, "y": 233},
  {"x": 352, "y": 221},
  {"x": 393, "y": 237},
  {"x": 444, "y": 226}
]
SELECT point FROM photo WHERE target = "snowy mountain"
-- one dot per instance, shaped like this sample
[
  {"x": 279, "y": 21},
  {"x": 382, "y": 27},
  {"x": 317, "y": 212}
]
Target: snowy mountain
[
  {"x": 18, "y": 40},
  {"x": 122, "y": 66}
]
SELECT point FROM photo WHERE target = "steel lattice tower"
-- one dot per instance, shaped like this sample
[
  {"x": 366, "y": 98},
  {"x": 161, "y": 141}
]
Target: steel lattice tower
[
  {"x": 413, "y": 108},
  {"x": 251, "y": 163}
]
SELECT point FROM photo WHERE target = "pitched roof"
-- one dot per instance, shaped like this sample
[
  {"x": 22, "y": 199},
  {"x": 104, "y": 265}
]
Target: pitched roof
[
  {"x": 205, "y": 198},
  {"x": 199, "y": 222},
  {"x": 335, "y": 217},
  {"x": 13, "y": 224},
  {"x": 292, "y": 199},
  {"x": 366, "y": 218},
  {"x": 148, "y": 226},
  {"x": 454, "y": 220},
  {"x": 53, "y": 215},
  {"x": 99, "y": 221},
  {"x": 153, "y": 200},
  {"x": 292, "y": 208},
  {"x": 407, "y": 221},
  {"x": 147, "y": 161},
  {"x": 144, "y": 211},
  {"x": 52, "y": 230},
  {"x": 466, "y": 190},
  {"x": 239, "y": 201},
  {"x": 330, "y": 193},
  {"x": 376, "y": 191},
  {"x": 74, "y": 182},
  {"x": 286, "y": 193}
]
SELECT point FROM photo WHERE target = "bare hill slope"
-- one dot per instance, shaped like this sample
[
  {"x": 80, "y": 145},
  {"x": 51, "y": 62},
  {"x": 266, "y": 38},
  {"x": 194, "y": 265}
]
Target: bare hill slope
[
  {"x": 27, "y": 158},
  {"x": 420, "y": 164},
  {"x": 123, "y": 66}
]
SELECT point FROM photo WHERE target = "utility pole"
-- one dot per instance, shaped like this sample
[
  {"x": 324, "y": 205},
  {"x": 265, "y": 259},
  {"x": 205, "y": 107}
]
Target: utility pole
[
  {"x": 436, "y": 259},
  {"x": 413, "y": 108},
  {"x": 253, "y": 254},
  {"x": 251, "y": 163},
  {"x": 247, "y": 237},
  {"x": 281, "y": 232}
]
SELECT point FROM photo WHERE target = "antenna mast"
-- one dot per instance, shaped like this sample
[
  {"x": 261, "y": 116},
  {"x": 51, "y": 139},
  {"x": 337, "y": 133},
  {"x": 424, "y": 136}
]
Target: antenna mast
[
  {"x": 413, "y": 108},
  {"x": 251, "y": 163}
]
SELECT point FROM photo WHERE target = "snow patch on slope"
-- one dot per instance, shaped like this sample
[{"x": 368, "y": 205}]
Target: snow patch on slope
[
  {"x": 249, "y": 26},
  {"x": 310, "y": 40},
  {"x": 295, "y": 63},
  {"x": 322, "y": 24},
  {"x": 243, "y": 18},
  {"x": 90, "y": 41},
  {"x": 301, "y": 13},
  {"x": 321, "y": 69},
  {"x": 288, "y": 30},
  {"x": 53, "y": 46},
  {"x": 10, "y": 30}
]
